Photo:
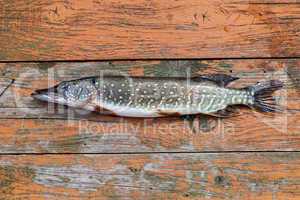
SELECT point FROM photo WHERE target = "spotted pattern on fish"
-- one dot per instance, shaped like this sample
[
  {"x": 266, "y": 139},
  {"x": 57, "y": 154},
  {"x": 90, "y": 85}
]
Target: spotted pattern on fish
[
  {"x": 163, "y": 95},
  {"x": 149, "y": 97}
]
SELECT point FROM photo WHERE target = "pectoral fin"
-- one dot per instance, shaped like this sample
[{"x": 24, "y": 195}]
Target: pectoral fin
[{"x": 221, "y": 80}]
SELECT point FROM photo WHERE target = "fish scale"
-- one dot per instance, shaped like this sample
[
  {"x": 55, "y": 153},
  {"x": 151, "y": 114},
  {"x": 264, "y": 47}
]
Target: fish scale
[{"x": 159, "y": 96}]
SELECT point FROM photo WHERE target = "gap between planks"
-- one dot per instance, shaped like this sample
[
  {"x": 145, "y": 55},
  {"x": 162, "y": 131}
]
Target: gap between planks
[
  {"x": 151, "y": 152},
  {"x": 151, "y": 59}
]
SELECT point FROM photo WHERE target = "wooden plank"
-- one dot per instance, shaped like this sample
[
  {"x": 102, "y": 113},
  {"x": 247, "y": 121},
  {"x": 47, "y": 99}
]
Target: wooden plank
[
  {"x": 259, "y": 176},
  {"x": 140, "y": 29},
  {"x": 29, "y": 126}
]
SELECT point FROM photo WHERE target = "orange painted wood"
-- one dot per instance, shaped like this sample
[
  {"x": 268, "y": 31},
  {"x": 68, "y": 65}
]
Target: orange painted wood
[
  {"x": 251, "y": 176},
  {"x": 29, "y": 126},
  {"x": 140, "y": 29}
]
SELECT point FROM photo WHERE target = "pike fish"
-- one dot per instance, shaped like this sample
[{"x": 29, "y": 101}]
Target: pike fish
[{"x": 160, "y": 97}]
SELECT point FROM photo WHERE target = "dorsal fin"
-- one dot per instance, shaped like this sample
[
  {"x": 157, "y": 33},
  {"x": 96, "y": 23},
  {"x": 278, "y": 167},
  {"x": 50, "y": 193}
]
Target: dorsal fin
[{"x": 220, "y": 79}]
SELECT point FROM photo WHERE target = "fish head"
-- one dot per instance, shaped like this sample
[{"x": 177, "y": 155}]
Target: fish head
[{"x": 71, "y": 93}]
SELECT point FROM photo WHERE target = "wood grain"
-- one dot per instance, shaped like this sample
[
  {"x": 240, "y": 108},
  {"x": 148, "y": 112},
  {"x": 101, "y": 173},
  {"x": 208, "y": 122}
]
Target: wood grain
[
  {"x": 232, "y": 176},
  {"x": 28, "y": 126},
  {"x": 140, "y": 29}
]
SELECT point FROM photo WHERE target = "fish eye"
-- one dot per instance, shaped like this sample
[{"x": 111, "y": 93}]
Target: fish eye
[{"x": 62, "y": 87}]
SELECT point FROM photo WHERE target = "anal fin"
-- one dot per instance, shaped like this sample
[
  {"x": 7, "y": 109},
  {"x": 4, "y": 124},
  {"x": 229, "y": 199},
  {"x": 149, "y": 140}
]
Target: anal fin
[{"x": 229, "y": 111}]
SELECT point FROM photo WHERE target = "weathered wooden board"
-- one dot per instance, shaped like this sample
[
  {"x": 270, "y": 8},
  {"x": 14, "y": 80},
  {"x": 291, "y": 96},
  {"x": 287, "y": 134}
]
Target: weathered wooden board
[
  {"x": 232, "y": 176},
  {"x": 139, "y": 29},
  {"x": 27, "y": 126}
]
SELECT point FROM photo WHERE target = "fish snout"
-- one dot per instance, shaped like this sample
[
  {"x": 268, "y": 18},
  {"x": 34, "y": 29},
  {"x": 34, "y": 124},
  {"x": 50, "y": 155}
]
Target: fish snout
[
  {"x": 43, "y": 94},
  {"x": 43, "y": 91},
  {"x": 40, "y": 91}
]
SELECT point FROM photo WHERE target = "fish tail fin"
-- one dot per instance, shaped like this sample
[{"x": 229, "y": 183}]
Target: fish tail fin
[{"x": 262, "y": 95}]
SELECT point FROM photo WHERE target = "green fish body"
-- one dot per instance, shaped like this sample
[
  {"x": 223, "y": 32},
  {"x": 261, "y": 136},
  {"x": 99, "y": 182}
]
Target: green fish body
[{"x": 158, "y": 97}]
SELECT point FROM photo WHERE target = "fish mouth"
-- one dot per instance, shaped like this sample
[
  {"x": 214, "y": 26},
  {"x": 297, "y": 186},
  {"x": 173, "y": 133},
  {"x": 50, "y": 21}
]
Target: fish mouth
[{"x": 47, "y": 94}]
